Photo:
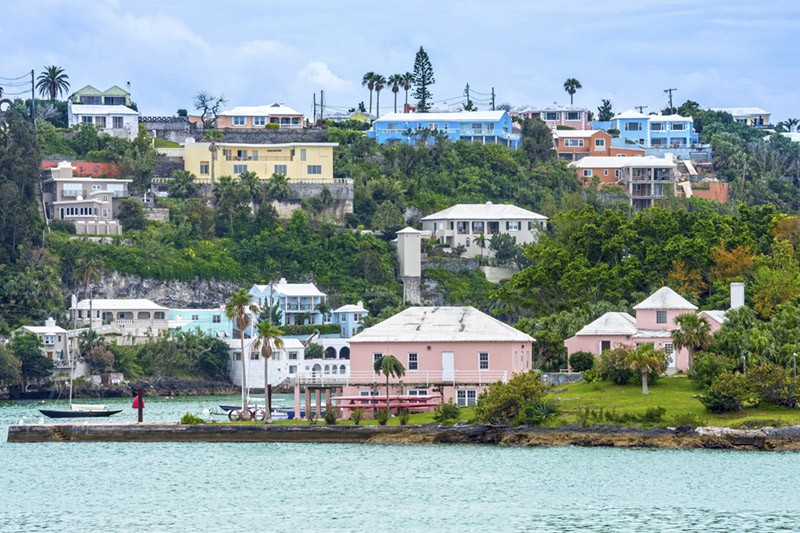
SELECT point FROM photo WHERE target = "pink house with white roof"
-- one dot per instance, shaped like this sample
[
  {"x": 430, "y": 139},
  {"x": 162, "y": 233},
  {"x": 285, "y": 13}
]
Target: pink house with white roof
[{"x": 455, "y": 352}]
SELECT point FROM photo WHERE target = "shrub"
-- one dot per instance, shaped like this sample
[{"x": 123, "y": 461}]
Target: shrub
[
  {"x": 382, "y": 416},
  {"x": 581, "y": 361},
  {"x": 688, "y": 420},
  {"x": 613, "y": 367},
  {"x": 308, "y": 329},
  {"x": 403, "y": 415},
  {"x": 773, "y": 384},
  {"x": 331, "y": 414},
  {"x": 67, "y": 226},
  {"x": 314, "y": 351},
  {"x": 728, "y": 392},
  {"x": 356, "y": 415},
  {"x": 589, "y": 417},
  {"x": 101, "y": 360},
  {"x": 446, "y": 413},
  {"x": 707, "y": 366},
  {"x": 271, "y": 126},
  {"x": 502, "y": 402},
  {"x": 534, "y": 415},
  {"x": 190, "y": 419}
]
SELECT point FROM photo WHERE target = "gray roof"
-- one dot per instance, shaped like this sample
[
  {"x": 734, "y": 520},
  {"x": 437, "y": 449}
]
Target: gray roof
[
  {"x": 665, "y": 298},
  {"x": 441, "y": 324},
  {"x": 611, "y": 323}
]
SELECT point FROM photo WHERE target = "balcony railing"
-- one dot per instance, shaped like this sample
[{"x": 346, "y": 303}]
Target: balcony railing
[
  {"x": 415, "y": 377},
  {"x": 258, "y": 158}
]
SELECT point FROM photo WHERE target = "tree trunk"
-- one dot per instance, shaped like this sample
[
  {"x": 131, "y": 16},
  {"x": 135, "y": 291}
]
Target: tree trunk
[
  {"x": 244, "y": 371},
  {"x": 268, "y": 415},
  {"x": 387, "y": 398},
  {"x": 644, "y": 382},
  {"x": 370, "y": 101},
  {"x": 377, "y": 104}
]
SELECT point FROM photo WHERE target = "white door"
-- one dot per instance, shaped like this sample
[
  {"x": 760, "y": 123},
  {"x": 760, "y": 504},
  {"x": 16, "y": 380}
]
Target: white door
[{"x": 448, "y": 366}]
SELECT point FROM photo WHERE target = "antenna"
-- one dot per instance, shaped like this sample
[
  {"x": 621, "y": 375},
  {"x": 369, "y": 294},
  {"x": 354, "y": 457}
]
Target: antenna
[
  {"x": 670, "y": 96},
  {"x": 641, "y": 108}
]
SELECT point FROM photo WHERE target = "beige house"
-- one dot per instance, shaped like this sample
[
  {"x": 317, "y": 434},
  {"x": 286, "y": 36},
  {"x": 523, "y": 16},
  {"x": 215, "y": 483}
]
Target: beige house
[
  {"x": 464, "y": 224},
  {"x": 299, "y": 162},
  {"x": 55, "y": 341},
  {"x": 133, "y": 319},
  {"x": 90, "y": 203}
]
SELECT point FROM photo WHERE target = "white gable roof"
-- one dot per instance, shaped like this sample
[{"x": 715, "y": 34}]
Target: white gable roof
[
  {"x": 260, "y": 111},
  {"x": 612, "y": 323},
  {"x": 44, "y": 330},
  {"x": 630, "y": 113},
  {"x": 351, "y": 308},
  {"x": 485, "y": 211},
  {"x": 441, "y": 324},
  {"x": 464, "y": 116},
  {"x": 716, "y": 315},
  {"x": 665, "y": 298},
  {"x": 297, "y": 289}
]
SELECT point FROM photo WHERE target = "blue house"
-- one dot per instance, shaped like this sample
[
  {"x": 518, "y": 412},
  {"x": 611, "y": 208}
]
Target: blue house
[
  {"x": 298, "y": 302},
  {"x": 350, "y": 318},
  {"x": 485, "y": 127},
  {"x": 652, "y": 131},
  {"x": 210, "y": 321}
]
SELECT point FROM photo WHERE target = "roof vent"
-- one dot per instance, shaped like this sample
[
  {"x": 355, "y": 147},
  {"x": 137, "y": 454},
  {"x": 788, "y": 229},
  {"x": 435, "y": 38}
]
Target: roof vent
[{"x": 488, "y": 203}]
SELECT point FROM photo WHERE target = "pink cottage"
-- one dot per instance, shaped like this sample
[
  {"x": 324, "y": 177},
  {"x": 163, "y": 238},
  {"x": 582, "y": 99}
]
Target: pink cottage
[
  {"x": 654, "y": 322},
  {"x": 453, "y": 352}
]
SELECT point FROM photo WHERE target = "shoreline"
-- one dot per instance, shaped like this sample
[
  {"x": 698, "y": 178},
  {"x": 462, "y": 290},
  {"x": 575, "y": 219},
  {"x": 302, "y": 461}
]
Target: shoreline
[{"x": 776, "y": 439}]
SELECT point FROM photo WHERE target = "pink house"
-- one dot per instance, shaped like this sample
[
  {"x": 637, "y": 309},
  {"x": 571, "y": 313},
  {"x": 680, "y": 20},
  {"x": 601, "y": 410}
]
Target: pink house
[
  {"x": 455, "y": 352},
  {"x": 654, "y": 322}
]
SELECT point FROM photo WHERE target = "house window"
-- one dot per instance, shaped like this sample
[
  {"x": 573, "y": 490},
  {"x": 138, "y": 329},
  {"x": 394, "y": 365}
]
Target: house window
[
  {"x": 599, "y": 143},
  {"x": 433, "y": 127},
  {"x": 490, "y": 128},
  {"x": 573, "y": 142},
  {"x": 467, "y": 243},
  {"x": 280, "y": 169},
  {"x": 605, "y": 345},
  {"x": 462, "y": 227},
  {"x": 616, "y": 173},
  {"x": 476, "y": 128},
  {"x": 237, "y": 356},
  {"x": 513, "y": 225},
  {"x": 375, "y": 357},
  {"x": 293, "y": 369},
  {"x": 100, "y": 122},
  {"x": 259, "y": 121},
  {"x": 216, "y": 319},
  {"x": 661, "y": 317},
  {"x": 573, "y": 115},
  {"x": 605, "y": 172},
  {"x": 239, "y": 169},
  {"x": 669, "y": 349},
  {"x": 105, "y": 198},
  {"x": 466, "y": 398},
  {"x": 391, "y": 126},
  {"x": 587, "y": 173},
  {"x": 678, "y": 126},
  {"x": 87, "y": 120},
  {"x": 477, "y": 227},
  {"x": 418, "y": 392},
  {"x": 253, "y": 355},
  {"x": 105, "y": 213},
  {"x": 238, "y": 121},
  {"x": 483, "y": 361},
  {"x": 656, "y": 126},
  {"x": 302, "y": 154},
  {"x": 204, "y": 168},
  {"x": 633, "y": 126},
  {"x": 116, "y": 123},
  {"x": 551, "y": 116},
  {"x": 293, "y": 355},
  {"x": 49, "y": 340},
  {"x": 315, "y": 169},
  {"x": 413, "y": 361}
]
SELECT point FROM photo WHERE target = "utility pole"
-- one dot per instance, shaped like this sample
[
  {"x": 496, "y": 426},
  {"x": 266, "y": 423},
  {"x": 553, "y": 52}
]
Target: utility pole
[
  {"x": 466, "y": 91},
  {"x": 315, "y": 108},
  {"x": 641, "y": 108},
  {"x": 669, "y": 91},
  {"x": 321, "y": 104},
  {"x": 492, "y": 98},
  {"x": 33, "y": 103}
]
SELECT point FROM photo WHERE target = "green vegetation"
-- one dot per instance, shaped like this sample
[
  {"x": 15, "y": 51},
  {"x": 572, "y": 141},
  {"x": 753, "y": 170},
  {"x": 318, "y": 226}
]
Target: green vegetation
[
  {"x": 505, "y": 403},
  {"x": 163, "y": 143},
  {"x": 447, "y": 413},
  {"x": 190, "y": 419}
]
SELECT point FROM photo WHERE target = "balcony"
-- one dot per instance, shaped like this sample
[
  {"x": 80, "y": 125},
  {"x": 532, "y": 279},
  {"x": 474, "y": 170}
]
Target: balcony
[
  {"x": 72, "y": 193},
  {"x": 258, "y": 158},
  {"x": 412, "y": 378}
]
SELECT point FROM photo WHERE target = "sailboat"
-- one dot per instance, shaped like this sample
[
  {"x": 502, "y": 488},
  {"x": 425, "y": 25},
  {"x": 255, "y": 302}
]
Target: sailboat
[{"x": 78, "y": 410}]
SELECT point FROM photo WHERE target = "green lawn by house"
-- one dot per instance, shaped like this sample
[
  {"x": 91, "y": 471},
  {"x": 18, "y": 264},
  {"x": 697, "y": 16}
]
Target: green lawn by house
[{"x": 163, "y": 143}]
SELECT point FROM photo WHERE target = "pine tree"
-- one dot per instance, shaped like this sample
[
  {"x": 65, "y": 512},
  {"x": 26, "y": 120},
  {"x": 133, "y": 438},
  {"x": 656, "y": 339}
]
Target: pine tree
[{"x": 423, "y": 79}]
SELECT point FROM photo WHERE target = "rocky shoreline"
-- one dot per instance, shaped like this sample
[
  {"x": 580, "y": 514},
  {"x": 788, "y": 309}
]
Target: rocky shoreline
[
  {"x": 150, "y": 388},
  {"x": 787, "y": 438}
]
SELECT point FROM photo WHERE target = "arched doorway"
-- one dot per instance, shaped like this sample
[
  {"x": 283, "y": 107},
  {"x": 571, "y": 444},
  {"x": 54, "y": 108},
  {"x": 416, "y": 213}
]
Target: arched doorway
[
  {"x": 330, "y": 352},
  {"x": 344, "y": 353}
]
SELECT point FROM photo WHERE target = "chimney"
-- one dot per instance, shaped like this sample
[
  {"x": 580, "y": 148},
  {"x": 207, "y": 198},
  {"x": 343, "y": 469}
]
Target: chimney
[
  {"x": 50, "y": 322},
  {"x": 737, "y": 295}
]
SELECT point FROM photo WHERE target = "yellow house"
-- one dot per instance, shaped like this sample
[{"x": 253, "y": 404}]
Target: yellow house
[{"x": 300, "y": 162}]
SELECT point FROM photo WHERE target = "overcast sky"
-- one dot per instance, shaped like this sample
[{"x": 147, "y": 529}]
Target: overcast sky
[{"x": 255, "y": 52}]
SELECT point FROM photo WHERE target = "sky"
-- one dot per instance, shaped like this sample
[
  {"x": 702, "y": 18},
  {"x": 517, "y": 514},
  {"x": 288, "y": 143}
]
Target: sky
[{"x": 735, "y": 53}]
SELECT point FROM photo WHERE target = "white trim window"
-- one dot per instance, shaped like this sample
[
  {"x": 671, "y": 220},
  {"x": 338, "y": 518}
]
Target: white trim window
[
  {"x": 661, "y": 316},
  {"x": 513, "y": 225},
  {"x": 573, "y": 142},
  {"x": 599, "y": 143},
  {"x": 280, "y": 169},
  {"x": 376, "y": 356},
  {"x": 314, "y": 169},
  {"x": 413, "y": 361},
  {"x": 483, "y": 361},
  {"x": 587, "y": 173},
  {"x": 466, "y": 397},
  {"x": 204, "y": 168},
  {"x": 239, "y": 169},
  {"x": 418, "y": 392},
  {"x": 238, "y": 121},
  {"x": 259, "y": 121}
]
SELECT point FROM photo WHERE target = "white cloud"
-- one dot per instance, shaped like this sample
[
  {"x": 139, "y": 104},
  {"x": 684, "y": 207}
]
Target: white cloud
[{"x": 318, "y": 73}]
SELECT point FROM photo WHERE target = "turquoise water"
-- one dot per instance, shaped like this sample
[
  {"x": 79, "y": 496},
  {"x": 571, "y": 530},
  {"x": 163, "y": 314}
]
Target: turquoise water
[{"x": 341, "y": 487}]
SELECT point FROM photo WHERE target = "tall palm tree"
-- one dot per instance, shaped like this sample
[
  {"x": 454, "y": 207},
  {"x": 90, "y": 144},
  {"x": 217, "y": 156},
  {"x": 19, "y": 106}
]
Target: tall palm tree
[
  {"x": 380, "y": 83},
  {"x": 792, "y": 123},
  {"x": 368, "y": 81},
  {"x": 212, "y": 136},
  {"x": 52, "y": 82},
  {"x": 88, "y": 268},
  {"x": 395, "y": 80},
  {"x": 645, "y": 360},
  {"x": 236, "y": 308},
  {"x": 389, "y": 365},
  {"x": 268, "y": 334},
  {"x": 571, "y": 86},
  {"x": 693, "y": 333},
  {"x": 408, "y": 81}
]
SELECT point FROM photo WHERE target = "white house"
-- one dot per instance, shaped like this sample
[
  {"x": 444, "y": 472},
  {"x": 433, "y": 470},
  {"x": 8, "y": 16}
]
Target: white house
[
  {"x": 464, "y": 224},
  {"x": 116, "y": 120},
  {"x": 297, "y": 301},
  {"x": 131, "y": 320}
]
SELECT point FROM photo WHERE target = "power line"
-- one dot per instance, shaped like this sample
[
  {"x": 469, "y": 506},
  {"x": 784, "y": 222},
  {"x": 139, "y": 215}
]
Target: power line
[{"x": 14, "y": 79}]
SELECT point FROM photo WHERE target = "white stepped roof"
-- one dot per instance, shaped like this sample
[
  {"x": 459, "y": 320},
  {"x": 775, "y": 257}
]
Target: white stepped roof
[
  {"x": 612, "y": 323},
  {"x": 122, "y": 304},
  {"x": 665, "y": 298},
  {"x": 260, "y": 111},
  {"x": 630, "y": 113},
  {"x": 649, "y": 161},
  {"x": 464, "y": 116},
  {"x": 741, "y": 111},
  {"x": 441, "y": 324},
  {"x": 351, "y": 308},
  {"x": 716, "y": 315},
  {"x": 575, "y": 134},
  {"x": 484, "y": 212},
  {"x": 92, "y": 109}
]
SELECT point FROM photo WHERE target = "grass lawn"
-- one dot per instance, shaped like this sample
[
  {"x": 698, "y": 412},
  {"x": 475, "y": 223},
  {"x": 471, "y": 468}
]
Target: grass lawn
[
  {"x": 676, "y": 394},
  {"x": 163, "y": 143},
  {"x": 467, "y": 413}
]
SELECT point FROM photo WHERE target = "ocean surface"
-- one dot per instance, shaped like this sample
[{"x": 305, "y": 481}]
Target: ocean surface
[{"x": 220, "y": 487}]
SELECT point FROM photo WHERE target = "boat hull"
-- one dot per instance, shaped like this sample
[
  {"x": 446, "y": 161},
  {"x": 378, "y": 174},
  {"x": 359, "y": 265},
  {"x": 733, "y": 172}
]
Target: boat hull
[{"x": 54, "y": 413}]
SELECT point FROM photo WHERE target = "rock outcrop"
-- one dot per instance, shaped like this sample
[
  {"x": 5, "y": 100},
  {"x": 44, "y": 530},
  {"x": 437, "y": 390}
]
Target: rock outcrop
[{"x": 199, "y": 293}]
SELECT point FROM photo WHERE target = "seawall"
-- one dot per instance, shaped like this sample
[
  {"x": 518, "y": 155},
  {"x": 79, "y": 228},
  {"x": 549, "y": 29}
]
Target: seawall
[{"x": 700, "y": 438}]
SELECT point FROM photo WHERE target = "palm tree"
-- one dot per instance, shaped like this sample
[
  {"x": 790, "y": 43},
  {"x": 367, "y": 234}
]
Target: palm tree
[
  {"x": 395, "y": 80},
  {"x": 645, "y": 359},
  {"x": 88, "y": 268},
  {"x": 236, "y": 308},
  {"x": 268, "y": 334},
  {"x": 212, "y": 136},
  {"x": 369, "y": 81},
  {"x": 792, "y": 123},
  {"x": 389, "y": 365},
  {"x": 693, "y": 333},
  {"x": 408, "y": 81},
  {"x": 571, "y": 86},
  {"x": 380, "y": 83},
  {"x": 52, "y": 82}
]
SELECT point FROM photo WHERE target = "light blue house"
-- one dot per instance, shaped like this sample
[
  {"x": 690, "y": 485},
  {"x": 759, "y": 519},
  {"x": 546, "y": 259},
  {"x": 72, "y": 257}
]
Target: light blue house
[
  {"x": 298, "y": 302},
  {"x": 350, "y": 318},
  {"x": 210, "y": 321},
  {"x": 652, "y": 131},
  {"x": 485, "y": 127}
]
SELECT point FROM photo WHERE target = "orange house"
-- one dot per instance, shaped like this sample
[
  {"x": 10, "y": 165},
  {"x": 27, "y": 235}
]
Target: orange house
[{"x": 573, "y": 145}]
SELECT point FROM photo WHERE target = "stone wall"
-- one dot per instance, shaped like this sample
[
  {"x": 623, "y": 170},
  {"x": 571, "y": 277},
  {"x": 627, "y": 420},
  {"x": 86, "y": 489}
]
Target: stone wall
[
  {"x": 342, "y": 193},
  {"x": 159, "y": 214},
  {"x": 265, "y": 136},
  {"x": 166, "y": 165},
  {"x": 175, "y": 129}
]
